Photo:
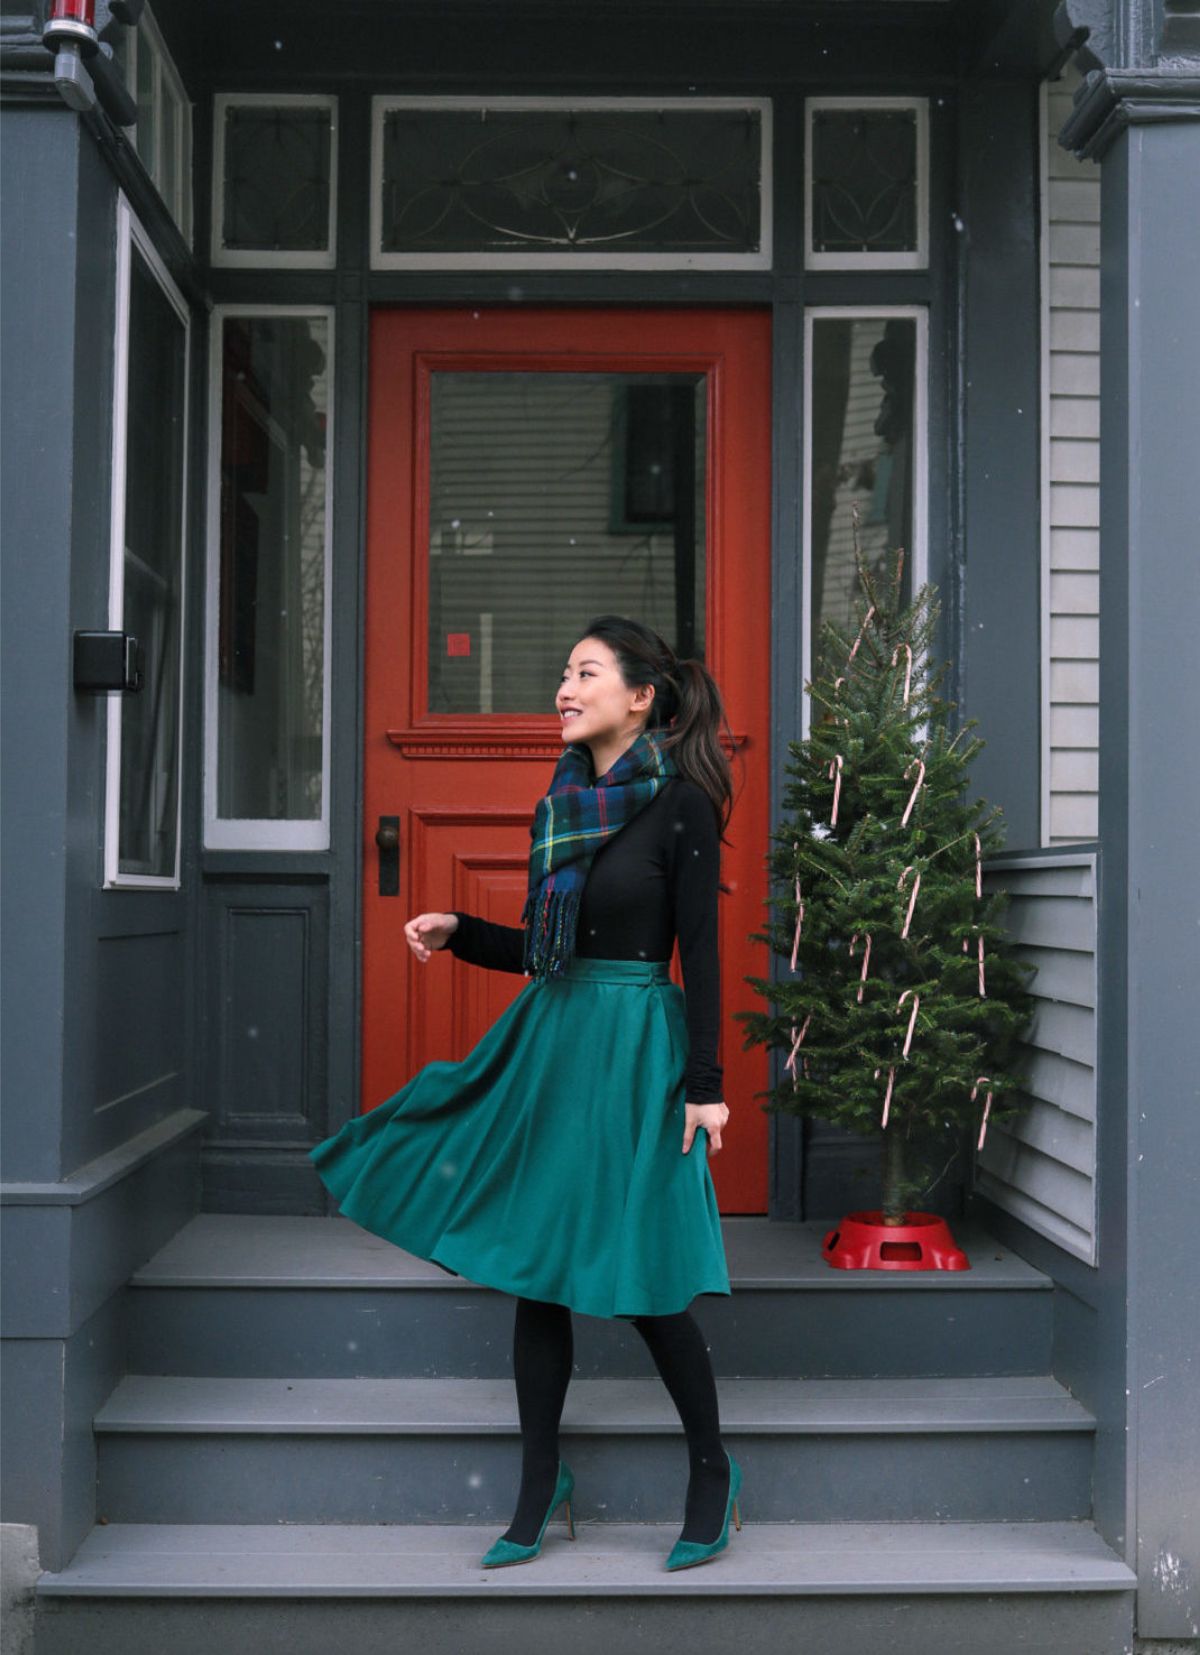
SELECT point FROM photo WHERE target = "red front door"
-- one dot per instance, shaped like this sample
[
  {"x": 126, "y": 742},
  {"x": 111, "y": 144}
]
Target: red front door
[{"x": 530, "y": 468}]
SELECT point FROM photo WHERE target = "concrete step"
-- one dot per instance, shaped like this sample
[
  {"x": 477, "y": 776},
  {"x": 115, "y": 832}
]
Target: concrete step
[
  {"x": 909, "y": 1588},
  {"x": 217, "y": 1450},
  {"x": 235, "y": 1295}
]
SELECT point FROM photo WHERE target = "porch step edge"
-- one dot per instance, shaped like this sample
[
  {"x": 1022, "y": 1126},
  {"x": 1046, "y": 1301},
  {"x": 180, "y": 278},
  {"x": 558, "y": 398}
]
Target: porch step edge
[
  {"x": 122, "y": 1560},
  {"x": 154, "y": 1404},
  {"x": 231, "y": 1250}
]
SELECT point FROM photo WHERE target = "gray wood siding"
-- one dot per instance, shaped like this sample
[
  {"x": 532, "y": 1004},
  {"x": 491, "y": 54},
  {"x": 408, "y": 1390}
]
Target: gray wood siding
[
  {"x": 1071, "y": 482},
  {"x": 1041, "y": 1166}
]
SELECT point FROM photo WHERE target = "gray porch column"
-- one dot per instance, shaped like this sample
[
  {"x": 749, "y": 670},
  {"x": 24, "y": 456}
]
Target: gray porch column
[{"x": 1143, "y": 125}]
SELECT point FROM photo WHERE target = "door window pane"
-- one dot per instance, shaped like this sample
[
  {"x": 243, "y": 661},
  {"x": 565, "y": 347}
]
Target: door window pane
[
  {"x": 554, "y": 497},
  {"x": 271, "y": 622},
  {"x": 863, "y": 382},
  {"x": 153, "y": 557}
]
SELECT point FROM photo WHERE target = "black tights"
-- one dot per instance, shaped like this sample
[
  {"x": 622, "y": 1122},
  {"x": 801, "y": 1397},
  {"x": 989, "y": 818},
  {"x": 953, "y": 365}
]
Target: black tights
[{"x": 543, "y": 1355}]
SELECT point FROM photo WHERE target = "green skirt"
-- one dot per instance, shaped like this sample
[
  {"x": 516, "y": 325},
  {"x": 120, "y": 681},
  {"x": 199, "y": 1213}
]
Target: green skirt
[{"x": 549, "y": 1161}]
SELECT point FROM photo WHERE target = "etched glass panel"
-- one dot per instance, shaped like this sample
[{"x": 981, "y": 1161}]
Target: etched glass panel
[
  {"x": 153, "y": 564},
  {"x": 271, "y": 623},
  {"x": 277, "y": 174},
  {"x": 483, "y": 180},
  {"x": 863, "y": 385},
  {"x": 554, "y": 497},
  {"x": 864, "y": 180}
]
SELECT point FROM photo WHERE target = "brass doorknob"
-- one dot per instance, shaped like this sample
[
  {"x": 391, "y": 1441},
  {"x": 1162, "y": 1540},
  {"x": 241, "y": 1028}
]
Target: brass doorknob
[{"x": 387, "y": 837}]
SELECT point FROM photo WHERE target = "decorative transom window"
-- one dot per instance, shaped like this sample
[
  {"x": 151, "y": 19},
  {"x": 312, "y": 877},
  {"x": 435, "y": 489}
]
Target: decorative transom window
[
  {"x": 274, "y": 180},
  {"x": 866, "y": 193},
  {"x": 544, "y": 183}
]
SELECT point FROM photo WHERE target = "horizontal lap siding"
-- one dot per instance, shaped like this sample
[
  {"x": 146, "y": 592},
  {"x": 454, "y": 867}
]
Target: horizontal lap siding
[
  {"x": 1071, "y": 454},
  {"x": 1041, "y": 1165}
]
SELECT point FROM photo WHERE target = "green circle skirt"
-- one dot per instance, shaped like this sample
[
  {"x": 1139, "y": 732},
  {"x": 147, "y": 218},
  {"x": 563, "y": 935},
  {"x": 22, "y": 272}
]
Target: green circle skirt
[{"x": 549, "y": 1161}]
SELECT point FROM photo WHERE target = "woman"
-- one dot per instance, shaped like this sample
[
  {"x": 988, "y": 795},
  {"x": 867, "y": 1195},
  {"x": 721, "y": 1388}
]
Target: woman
[{"x": 555, "y": 1161}]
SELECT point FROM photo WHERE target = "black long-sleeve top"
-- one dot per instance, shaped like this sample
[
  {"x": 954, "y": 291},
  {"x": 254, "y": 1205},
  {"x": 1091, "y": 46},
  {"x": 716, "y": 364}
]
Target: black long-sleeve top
[{"x": 654, "y": 880}]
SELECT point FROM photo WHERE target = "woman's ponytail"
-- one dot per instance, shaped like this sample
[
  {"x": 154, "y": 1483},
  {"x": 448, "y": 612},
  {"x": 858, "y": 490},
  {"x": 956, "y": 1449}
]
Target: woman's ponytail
[{"x": 694, "y": 739}]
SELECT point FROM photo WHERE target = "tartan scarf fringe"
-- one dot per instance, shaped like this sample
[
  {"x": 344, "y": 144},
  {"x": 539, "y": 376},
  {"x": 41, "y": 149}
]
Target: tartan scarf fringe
[{"x": 550, "y": 931}]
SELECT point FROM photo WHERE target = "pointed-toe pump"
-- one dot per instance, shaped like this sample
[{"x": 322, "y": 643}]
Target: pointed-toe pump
[
  {"x": 508, "y": 1551},
  {"x": 685, "y": 1554}
]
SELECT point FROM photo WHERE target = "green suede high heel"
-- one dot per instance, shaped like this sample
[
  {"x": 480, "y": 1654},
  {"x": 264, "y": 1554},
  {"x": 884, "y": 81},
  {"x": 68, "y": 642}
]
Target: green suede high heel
[
  {"x": 508, "y": 1551},
  {"x": 685, "y": 1554}
]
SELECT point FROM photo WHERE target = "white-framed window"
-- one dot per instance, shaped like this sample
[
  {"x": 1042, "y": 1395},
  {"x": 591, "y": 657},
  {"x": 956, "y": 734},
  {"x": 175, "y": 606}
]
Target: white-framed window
[
  {"x": 866, "y": 183},
  {"x": 274, "y": 194},
  {"x": 544, "y": 183},
  {"x": 147, "y": 563},
  {"x": 269, "y": 578},
  {"x": 162, "y": 136},
  {"x": 865, "y": 441}
]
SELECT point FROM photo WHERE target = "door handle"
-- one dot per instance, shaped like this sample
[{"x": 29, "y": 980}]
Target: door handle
[{"x": 387, "y": 837}]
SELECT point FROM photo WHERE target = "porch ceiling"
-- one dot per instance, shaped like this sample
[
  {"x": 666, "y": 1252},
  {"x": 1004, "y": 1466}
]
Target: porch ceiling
[{"x": 603, "y": 45}]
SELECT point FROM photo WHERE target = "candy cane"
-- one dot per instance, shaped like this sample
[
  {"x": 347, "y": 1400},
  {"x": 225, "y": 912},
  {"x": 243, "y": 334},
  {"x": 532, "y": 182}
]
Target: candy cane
[
  {"x": 987, "y": 1108},
  {"x": 978, "y": 869},
  {"x": 862, "y": 629},
  {"x": 912, "y": 901},
  {"x": 866, "y": 961},
  {"x": 835, "y": 766},
  {"x": 887, "y": 1102},
  {"x": 982, "y": 990},
  {"x": 797, "y": 1041},
  {"x": 907, "y": 648},
  {"x": 912, "y": 1019},
  {"x": 920, "y": 778},
  {"x": 799, "y": 922}
]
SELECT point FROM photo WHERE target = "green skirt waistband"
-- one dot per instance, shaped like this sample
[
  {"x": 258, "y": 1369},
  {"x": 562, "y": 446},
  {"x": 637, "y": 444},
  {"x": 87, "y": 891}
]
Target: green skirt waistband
[{"x": 615, "y": 971}]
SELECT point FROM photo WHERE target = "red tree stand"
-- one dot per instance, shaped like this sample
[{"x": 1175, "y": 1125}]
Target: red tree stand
[{"x": 862, "y": 1241}]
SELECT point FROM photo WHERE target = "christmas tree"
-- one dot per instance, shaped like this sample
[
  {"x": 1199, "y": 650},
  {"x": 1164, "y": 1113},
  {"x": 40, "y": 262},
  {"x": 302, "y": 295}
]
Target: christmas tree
[{"x": 905, "y": 999}]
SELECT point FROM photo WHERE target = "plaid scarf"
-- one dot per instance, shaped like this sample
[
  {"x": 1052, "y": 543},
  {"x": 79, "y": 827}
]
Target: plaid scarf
[{"x": 575, "y": 818}]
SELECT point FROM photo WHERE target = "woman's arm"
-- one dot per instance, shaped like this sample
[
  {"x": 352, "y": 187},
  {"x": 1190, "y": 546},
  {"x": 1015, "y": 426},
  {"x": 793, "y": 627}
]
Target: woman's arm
[
  {"x": 695, "y": 868},
  {"x": 483, "y": 942}
]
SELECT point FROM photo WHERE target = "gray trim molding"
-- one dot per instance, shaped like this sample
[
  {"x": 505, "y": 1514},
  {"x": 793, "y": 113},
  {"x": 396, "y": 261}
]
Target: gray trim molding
[
  {"x": 1112, "y": 99},
  {"x": 1133, "y": 72},
  {"x": 93, "y": 1179},
  {"x": 69, "y": 1246}
]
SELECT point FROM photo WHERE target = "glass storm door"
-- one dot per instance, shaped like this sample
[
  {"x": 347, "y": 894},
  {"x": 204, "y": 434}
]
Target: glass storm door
[{"x": 528, "y": 469}]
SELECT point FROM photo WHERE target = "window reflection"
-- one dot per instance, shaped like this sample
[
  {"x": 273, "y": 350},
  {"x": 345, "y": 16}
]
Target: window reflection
[
  {"x": 553, "y": 497},
  {"x": 153, "y": 557},
  {"x": 863, "y": 380},
  {"x": 271, "y": 635}
]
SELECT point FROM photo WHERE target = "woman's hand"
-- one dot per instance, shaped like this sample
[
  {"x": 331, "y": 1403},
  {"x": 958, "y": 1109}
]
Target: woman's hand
[
  {"x": 711, "y": 1116},
  {"x": 429, "y": 931}
]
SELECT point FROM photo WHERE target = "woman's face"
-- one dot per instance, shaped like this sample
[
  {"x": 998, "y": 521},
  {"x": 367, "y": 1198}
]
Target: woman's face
[{"x": 593, "y": 701}]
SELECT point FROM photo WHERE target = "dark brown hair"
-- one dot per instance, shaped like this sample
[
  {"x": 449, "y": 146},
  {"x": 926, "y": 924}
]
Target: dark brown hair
[{"x": 687, "y": 704}]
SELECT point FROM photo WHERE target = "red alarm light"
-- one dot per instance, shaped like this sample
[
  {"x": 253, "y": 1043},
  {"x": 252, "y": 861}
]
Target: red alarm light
[{"x": 70, "y": 20}]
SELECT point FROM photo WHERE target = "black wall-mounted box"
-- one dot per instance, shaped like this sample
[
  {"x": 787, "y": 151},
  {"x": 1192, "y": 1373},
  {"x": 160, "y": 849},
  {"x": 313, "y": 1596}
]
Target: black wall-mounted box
[{"x": 107, "y": 661}]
